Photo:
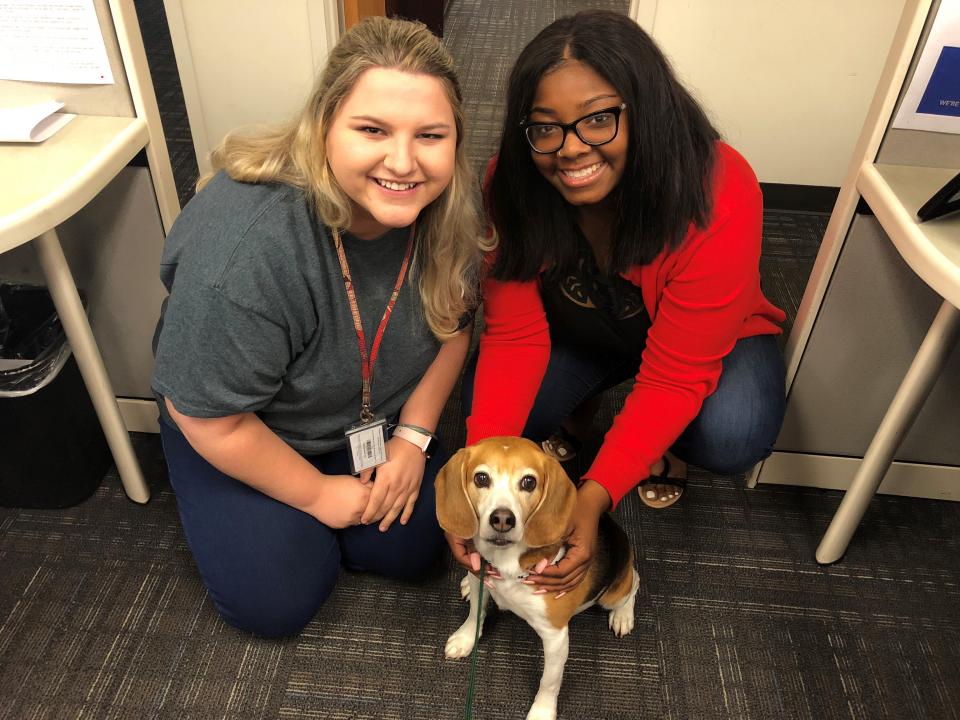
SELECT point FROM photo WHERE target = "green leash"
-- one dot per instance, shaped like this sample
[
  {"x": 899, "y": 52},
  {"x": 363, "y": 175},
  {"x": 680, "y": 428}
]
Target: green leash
[{"x": 468, "y": 713}]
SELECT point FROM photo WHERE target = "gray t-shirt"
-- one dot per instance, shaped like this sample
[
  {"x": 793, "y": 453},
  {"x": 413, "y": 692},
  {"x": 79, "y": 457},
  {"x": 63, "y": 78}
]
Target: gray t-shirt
[{"x": 258, "y": 318}]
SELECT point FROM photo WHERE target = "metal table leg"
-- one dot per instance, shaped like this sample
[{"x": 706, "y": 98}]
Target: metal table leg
[
  {"x": 77, "y": 328},
  {"x": 903, "y": 410}
]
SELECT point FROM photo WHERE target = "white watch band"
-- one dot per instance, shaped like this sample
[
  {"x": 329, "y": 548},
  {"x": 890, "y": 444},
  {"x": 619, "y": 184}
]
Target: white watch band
[{"x": 412, "y": 436}]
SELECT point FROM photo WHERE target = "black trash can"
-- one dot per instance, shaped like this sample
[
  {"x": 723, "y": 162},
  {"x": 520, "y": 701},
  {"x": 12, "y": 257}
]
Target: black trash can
[{"x": 53, "y": 452}]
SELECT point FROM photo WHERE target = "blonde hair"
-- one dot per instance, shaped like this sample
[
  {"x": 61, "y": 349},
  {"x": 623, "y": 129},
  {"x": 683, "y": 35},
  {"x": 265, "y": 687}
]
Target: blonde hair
[{"x": 449, "y": 241}]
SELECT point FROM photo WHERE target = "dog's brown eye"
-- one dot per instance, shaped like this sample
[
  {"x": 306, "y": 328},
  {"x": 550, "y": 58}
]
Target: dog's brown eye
[
  {"x": 528, "y": 483},
  {"x": 481, "y": 480}
]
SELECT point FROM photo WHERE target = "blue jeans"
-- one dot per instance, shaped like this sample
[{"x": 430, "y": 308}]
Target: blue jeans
[
  {"x": 269, "y": 567},
  {"x": 737, "y": 424}
]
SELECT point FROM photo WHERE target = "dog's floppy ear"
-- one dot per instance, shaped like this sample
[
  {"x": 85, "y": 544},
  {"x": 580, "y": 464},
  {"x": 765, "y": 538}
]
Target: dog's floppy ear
[
  {"x": 548, "y": 522},
  {"x": 455, "y": 512}
]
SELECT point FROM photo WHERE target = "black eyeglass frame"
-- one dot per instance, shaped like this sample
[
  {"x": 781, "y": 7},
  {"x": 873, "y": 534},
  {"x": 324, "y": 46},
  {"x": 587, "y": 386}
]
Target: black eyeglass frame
[{"x": 616, "y": 110}]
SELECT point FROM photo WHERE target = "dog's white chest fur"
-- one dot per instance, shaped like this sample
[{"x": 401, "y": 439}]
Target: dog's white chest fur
[{"x": 510, "y": 593}]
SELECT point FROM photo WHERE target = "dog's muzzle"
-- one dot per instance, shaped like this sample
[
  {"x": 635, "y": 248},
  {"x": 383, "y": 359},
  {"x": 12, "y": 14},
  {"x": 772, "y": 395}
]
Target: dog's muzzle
[{"x": 502, "y": 521}]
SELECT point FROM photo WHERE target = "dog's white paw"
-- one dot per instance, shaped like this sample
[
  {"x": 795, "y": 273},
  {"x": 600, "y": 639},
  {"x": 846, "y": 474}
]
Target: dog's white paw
[
  {"x": 542, "y": 712},
  {"x": 621, "y": 619},
  {"x": 460, "y": 644},
  {"x": 465, "y": 587}
]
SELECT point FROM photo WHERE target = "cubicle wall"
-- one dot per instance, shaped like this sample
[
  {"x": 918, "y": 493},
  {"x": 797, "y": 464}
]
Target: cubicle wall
[
  {"x": 866, "y": 331},
  {"x": 787, "y": 83},
  {"x": 246, "y": 62},
  {"x": 113, "y": 244},
  {"x": 113, "y": 248},
  {"x": 873, "y": 318}
]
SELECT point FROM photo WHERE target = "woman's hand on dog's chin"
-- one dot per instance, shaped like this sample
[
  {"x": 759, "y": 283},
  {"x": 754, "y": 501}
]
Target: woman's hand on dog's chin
[
  {"x": 464, "y": 553},
  {"x": 592, "y": 501}
]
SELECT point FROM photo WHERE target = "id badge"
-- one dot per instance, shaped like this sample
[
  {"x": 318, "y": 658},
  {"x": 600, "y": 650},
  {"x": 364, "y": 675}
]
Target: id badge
[{"x": 368, "y": 444}]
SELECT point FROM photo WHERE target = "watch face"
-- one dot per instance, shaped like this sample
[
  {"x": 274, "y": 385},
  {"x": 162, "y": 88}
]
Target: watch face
[{"x": 431, "y": 447}]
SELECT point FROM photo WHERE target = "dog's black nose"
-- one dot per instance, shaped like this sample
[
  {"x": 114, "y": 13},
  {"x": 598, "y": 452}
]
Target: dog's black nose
[{"x": 502, "y": 520}]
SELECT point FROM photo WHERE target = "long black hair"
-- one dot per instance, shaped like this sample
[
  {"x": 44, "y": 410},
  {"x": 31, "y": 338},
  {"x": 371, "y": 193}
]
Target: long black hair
[{"x": 666, "y": 184}]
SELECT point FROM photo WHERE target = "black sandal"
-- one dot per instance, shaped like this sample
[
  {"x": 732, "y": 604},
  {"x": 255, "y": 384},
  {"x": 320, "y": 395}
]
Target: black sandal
[
  {"x": 561, "y": 445},
  {"x": 662, "y": 479}
]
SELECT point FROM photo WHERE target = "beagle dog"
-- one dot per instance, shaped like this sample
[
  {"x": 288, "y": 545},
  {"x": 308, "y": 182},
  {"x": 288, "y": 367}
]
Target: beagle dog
[{"x": 515, "y": 502}]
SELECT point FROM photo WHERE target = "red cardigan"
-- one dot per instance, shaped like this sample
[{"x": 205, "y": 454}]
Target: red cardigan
[{"x": 701, "y": 298}]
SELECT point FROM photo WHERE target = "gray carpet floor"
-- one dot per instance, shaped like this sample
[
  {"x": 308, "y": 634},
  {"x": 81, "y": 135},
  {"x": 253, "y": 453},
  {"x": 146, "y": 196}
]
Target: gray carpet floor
[{"x": 102, "y": 613}]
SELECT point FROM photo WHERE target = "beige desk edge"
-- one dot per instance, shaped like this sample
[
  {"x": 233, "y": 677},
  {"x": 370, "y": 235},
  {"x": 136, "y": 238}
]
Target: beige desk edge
[
  {"x": 43, "y": 184},
  {"x": 931, "y": 249}
]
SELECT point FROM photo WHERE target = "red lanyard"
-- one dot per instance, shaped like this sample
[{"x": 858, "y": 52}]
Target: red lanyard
[{"x": 366, "y": 362}]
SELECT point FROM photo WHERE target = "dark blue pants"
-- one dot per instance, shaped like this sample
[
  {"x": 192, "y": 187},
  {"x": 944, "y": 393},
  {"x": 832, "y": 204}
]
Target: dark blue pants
[
  {"x": 737, "y": 424},
  {"x": 268, "y": 567}
]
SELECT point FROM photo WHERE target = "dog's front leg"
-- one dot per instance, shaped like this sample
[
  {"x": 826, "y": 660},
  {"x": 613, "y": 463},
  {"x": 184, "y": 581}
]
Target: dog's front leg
[
  {"x": 460, "y": 644},
  {"x": 556, "y": 645}
]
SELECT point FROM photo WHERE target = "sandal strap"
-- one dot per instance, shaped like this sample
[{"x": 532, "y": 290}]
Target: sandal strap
[
  {"x": 663, "y": 477},
  {"x": 663, "y": 480},
  {"x": 666, "y": 467}
]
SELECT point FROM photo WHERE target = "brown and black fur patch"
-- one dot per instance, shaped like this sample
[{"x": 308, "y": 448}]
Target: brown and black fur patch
[
  {"x": 616, "y": 576},
  {"x": 609, "y": 579}
]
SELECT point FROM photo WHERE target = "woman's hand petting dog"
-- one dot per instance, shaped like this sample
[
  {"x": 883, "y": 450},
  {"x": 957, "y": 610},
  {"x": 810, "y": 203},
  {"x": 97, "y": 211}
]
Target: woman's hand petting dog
[
  {"x": 469, "y": 559},
  {"x": 464, "y": 553},
  {"x": 581, "y": 541}
]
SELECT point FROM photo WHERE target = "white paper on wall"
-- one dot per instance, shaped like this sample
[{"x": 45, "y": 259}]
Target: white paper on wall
[{"x": 57, "y": 42}]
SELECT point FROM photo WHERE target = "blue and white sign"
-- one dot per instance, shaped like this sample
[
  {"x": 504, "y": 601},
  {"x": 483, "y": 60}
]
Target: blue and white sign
[
  {"x": 932, "y": 101},
  {"x": 942, "y": 96}
]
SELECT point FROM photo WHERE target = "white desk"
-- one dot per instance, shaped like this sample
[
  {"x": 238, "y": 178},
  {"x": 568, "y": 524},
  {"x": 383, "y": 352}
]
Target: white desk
[
  {"x": 932, "y": 250},
  {"x": 41, "y": 185},
  {"x": 869, "y": 278}
]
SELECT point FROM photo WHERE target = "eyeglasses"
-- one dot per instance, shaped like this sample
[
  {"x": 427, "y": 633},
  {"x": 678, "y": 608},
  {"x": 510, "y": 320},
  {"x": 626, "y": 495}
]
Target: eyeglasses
[{"x": 597, "y": 128}]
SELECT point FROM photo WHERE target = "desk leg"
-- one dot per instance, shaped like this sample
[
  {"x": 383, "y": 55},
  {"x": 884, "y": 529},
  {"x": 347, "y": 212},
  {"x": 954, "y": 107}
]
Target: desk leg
[
  {"x": 903, "y": 410},
  {"x": 74, "y": 319}
]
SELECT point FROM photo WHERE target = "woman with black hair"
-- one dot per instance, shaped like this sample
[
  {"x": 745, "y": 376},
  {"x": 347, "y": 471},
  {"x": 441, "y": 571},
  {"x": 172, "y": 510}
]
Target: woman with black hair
[{"x": 629, "y": 245}]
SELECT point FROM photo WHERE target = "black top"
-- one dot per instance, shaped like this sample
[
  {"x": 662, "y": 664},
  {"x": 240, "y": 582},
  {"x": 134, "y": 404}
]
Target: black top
[{"x": 588, "y": 308}]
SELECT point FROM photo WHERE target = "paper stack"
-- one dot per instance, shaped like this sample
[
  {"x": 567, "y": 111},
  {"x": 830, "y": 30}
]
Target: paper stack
[{"x": 32, "y": 123}]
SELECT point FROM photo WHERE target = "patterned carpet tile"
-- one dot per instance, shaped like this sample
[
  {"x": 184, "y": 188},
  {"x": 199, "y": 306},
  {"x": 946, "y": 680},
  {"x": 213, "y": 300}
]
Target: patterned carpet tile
[{"x": 102, "y": 614}]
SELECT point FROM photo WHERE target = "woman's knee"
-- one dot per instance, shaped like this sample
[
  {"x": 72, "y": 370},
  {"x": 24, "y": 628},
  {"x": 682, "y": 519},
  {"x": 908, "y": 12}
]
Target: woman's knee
[
  {"x": 731, "y": 443},
  {"x": 270, "y": 610},
  {"x": 732, "y": 456},
  {"x": 271, "y": 621},
  {"x": 738, "y": 425},
  {"x": 266, "y": 566}
]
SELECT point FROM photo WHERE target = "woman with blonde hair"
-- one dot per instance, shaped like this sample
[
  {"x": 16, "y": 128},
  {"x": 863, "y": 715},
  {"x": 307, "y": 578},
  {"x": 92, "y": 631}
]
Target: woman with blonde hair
[{"x": 321, "y": 287}]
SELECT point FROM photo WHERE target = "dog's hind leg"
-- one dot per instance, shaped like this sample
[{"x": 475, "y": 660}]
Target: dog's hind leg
[
  {"x": 556, "y": 645},
  {"x": 461, "y": 643}
]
